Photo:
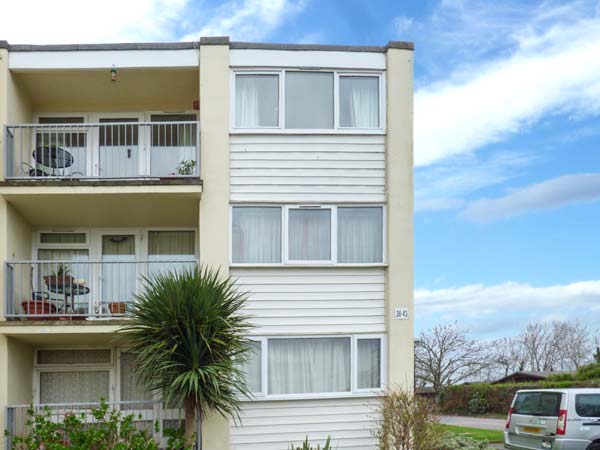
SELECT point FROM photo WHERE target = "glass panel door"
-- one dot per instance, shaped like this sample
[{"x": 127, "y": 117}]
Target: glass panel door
[
  {"x": 119, "y": 272},
  {"x": 173, "y": 145},
  {"x": 119, "y": 147}
]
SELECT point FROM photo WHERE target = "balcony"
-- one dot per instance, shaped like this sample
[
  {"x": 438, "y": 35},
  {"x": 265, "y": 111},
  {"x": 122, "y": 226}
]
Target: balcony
[
  {"x": 78, "y": 290},
  {"x": 151, "y": 416},
  {"x": 111, "y": 150}
]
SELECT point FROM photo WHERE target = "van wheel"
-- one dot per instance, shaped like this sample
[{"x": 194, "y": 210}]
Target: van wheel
[{"x": 595, "y": 446}]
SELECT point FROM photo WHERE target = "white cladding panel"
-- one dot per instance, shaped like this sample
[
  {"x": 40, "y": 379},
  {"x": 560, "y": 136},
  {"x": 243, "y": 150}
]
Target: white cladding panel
[
  {"x": 274, "y": 425},
  {"x": 291, "y": 300},
  {"x": 299, "y": 168},
  {"x": 305, "y": 58}
]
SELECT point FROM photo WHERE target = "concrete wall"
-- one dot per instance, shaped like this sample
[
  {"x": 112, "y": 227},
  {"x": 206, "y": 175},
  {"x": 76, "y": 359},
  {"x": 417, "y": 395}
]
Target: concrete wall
[
  {"x": 214, "y": 207},
  {"x": 399, "y": 184}
]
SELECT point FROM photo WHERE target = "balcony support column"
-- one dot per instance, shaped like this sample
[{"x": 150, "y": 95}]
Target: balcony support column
[{"x": 214, "y": 206}]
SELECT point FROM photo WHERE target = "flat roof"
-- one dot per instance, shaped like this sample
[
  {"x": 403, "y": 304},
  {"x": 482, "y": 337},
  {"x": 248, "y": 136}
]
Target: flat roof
[{"x": 212, "y": 40}]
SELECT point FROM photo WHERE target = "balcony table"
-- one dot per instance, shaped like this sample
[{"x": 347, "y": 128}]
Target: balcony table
[
  {"x": 69, "y": 290},
  {"x": 53, "y": 157}
]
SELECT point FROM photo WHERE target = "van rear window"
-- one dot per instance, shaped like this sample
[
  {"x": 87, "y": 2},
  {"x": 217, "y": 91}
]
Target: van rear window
[
  {"x": 587, "y": 405},
  {"x": 538, "y": 404}
]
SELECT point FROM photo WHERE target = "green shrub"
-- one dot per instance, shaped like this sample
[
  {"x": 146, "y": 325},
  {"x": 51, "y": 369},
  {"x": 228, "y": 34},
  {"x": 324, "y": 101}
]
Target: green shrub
[
  {"x": 308, "y": 446},
  {"x": 457, "y": 399},
  {"x": 110, "y": 430},
  {"x": 451, "y": 441},
  {"x": 560, "y": 377},
  {"x": 478, "y": 404},
  {"x": 588, "y": 372}
]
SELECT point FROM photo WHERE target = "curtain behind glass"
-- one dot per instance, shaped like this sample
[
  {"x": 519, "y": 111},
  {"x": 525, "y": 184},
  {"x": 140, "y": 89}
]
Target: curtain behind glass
[
  {"x": 309, "y": 234},
  {"x": 256, "y": 234},
  {"x": 359, "y": 102},
  {"x": 171, "y": 251},
  {"x": 74, "y": 386},
  {"x": 252, "y": 368},
  {"x": 369, "y": 363},
  {"x": 360, "y": 235},
  {"x": 118, "y": 268},
  {"x": 130, "y": 388},
  {"x": 78, "y": 271},
  {"x": 256, "y": 101},
  {"x": 172, "y": 143},
  {"x": 310, "y": 365},
  {"x": 308, "y": 100}
]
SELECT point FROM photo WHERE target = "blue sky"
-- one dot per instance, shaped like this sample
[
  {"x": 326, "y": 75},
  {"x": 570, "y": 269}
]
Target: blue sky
[{"x": 507, "y": 132}]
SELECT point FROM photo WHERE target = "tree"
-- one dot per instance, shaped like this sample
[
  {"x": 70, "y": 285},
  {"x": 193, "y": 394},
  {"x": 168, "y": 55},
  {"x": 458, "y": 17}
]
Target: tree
[
  {"x": 188, "y": 338},
  {"x": 445, "y": 355},
  {"x": 509, "y": 355}
]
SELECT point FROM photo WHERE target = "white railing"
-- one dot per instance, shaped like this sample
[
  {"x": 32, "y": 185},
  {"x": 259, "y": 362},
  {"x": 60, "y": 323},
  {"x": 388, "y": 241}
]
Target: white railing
[
  {"x": 108, "y": 150},
  {"x": 72, "y": 290},
  {"x": 152, "y": 416}
]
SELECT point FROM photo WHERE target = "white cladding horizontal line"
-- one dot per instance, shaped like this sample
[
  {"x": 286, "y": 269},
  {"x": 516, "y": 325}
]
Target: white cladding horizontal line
[
  {"x": 347, "y": 328},
  {"x": 102, "y": 59},
  {"x": 365, "y": 303},
  {"x": 311, "y": 181},
  {"x": 308, "y": 164},
  {"x": 291, "y": 140},
  {"x": 359, "y": 197},
  {"x": 311, "y": 320},
  {"x": 239, "y": 58}
]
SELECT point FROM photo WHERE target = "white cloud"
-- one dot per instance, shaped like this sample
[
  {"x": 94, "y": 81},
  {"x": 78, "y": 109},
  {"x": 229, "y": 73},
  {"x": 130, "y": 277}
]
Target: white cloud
[
  {"x": 402, "y": 24},
  {"x": 553, "y": 193},
  {"x": 552, "y": 68},
  {"x": 443, "y": 186},
  {"x": 506, "y": 307},
  {"x": 71, "y": 21},
  {"x": 247, "y": 20}
]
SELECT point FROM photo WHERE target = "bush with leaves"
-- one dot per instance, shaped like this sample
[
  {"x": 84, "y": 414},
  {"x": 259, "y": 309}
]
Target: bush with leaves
[
  {"x": 109, "y": 429},
  {"x": 452, "y": 441},
  {"x": 306, "y": 445},
  {"x": 406, "y": 422},
  {"x": 478, "y": 404}
]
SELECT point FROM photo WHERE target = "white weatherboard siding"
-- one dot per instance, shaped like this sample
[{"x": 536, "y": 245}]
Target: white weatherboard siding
[
  {"x": 292, "y": 300},
  {"x": 317, "y": 168},
  {"x": 273, "y": 425}
]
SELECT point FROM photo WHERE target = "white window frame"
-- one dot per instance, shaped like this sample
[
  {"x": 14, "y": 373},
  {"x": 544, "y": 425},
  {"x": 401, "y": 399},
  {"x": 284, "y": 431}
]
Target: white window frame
[
  {"x": 91, "y": 367},
  {"x": 381, "y": 90},
  {"x": 281, "y": 129},
  {"x": 285, "y": 261},
  {"x": 332, "y": 237},
  {"x": 353, "y": 392},
  {"x": 254, "y": 205}
]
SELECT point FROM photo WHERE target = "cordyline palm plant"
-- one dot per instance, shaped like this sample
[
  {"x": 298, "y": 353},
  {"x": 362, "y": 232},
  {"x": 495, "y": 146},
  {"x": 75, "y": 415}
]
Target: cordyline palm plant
[{"x": 189, "y": 341}]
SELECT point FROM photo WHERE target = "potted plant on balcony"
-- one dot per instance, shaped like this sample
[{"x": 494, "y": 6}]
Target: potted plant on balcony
[
  {"x": 117, "y": 307},
  {"x": 60, "y": 278},
  {"x": 186, "y": 167},
  {"x": 38, "y": 307}
]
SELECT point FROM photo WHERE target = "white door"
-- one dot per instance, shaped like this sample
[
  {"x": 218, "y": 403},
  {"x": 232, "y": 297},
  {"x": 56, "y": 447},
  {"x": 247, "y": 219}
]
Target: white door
[
  {"x": 119, "y": 269},
  {"x": 119, "y": 145}
]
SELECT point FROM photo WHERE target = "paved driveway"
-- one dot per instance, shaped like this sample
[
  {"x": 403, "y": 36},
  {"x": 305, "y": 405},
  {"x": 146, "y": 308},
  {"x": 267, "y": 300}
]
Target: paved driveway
[{"x": 474, "y": 422}]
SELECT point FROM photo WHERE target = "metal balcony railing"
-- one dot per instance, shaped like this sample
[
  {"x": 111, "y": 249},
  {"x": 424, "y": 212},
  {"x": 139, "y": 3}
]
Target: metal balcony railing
[
  {"x": 77, "y": 290},
  {"x": 107, "y": 150},
  {"x": 152, "y": 416}
]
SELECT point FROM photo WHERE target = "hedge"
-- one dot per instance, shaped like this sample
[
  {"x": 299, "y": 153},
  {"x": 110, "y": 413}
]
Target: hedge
[{"x": 477, "y": 399}]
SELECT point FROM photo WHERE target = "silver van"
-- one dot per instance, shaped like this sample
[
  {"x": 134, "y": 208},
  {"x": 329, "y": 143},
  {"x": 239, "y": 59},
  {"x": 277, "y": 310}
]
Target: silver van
[{"x": 554, "y": 419}]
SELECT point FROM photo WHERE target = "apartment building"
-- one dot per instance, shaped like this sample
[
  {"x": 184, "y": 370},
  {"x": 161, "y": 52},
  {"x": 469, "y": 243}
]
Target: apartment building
[{"x": 288, "y": 166}]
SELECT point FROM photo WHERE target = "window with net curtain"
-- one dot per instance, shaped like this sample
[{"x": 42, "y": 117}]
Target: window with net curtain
[
  {"x": 359, "y": 101},
  {"x": 368, "y": 365},
  {"x": 256, "y": 235},
  {"x": 309, "y": 234},
  {"x": 360, "y": 235},
  {"x": 119, "y": 268},
  {"x": 309, "y": 365},
  {"x": 252, "y": 368},
  {"x": 256, "y": 100},
  {"x": 309, "y": 100},
  {"x": 171, "y": 251},
  {"x": 131, "y": 390}
]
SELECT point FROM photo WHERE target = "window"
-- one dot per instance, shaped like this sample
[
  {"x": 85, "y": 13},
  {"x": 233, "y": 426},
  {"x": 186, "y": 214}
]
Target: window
[
  {"x": 309, "y": 365},
  {"x": 308, "y": 100},
  {"x": 252, "y": 368},
  {"x": 74, "y": 386},
  {"x": 256, "y": 234},
  {"x": 299, "y": 365},
  {"x": 309, "y": 234},
  {"x": 256, "y": 101},
  {"x": 63, "y": 238},
  {"x": 360, "y": 234},
  {"x": 587, "y": 405},
  {"x": 171, "y": 251},
  {"x": 64, "y": 134},
  {"x": 312, "y": 234},
  {"x": 131, "y": 390},
  {"x": 359, "y": 102},
  {"x": 368, "y": 363},
  {"x": 74, "y": 356},
  {"x": 172, "y": 143},
  {"x": 538, "y": 403}
]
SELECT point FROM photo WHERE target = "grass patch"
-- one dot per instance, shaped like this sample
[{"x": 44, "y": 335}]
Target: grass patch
[{"x": 475, "y": 433}]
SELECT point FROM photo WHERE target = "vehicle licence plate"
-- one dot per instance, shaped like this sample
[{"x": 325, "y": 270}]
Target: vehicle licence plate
[{"x": 531, "y": 430}]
